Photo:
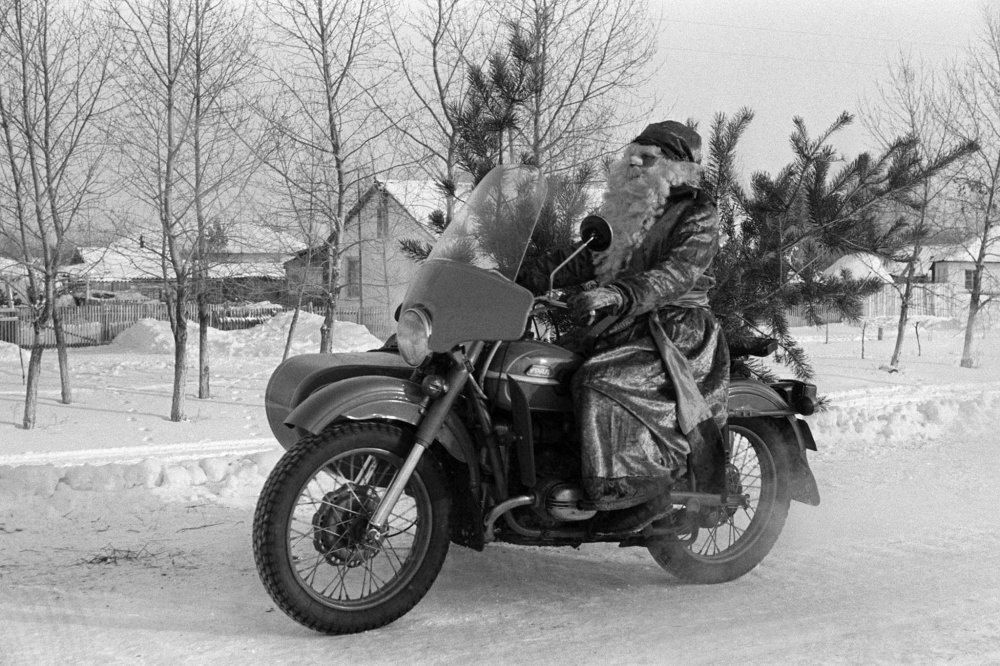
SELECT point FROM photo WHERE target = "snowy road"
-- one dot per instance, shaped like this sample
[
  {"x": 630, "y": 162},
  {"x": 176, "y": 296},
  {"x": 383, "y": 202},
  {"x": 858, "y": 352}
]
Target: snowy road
[{"x": 898, "y": 564}]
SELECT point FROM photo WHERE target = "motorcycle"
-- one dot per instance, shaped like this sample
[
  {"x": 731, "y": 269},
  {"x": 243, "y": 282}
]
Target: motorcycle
[{"x": 464, "y": 433}]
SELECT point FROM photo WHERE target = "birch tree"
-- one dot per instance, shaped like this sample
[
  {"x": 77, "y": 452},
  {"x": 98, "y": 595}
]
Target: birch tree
[
  {"x": 181, "y": 61},
  {"x": 588, "y": 59},
  {"x": 325, "y": 55},
  {"x": 975, "y": 84},
  {"x": 222, "y": 62},
  {"x": 911, "y": 103},
  {"x": 434, "y": 44},
  {"x": 52, "y": 96}
]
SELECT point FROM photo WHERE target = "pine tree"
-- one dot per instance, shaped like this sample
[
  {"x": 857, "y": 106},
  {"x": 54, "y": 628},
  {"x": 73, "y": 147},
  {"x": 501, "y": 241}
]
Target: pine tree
[
  {"x": 782, "y": 231},
  {"x": 489, "y": 119}
]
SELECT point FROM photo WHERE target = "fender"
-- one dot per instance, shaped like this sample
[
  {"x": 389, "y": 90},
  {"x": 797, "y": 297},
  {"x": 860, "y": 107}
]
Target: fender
[
  {"x": 372, "y": 397},
  {"x": 748, "y": 399},
  {"x": 751, "y": 399}
]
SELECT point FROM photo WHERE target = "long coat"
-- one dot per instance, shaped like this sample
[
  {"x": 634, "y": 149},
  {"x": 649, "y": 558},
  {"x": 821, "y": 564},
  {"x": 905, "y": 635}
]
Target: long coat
[{"x": 659, "y": 375}]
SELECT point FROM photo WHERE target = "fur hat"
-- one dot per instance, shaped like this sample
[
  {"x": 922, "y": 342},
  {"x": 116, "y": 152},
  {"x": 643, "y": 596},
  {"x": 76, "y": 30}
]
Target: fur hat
[{"x": 677, "y": 141}]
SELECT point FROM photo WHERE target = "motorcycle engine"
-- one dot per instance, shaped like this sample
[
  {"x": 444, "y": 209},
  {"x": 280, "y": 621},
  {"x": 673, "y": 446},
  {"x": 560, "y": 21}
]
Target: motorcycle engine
[{"x": 562, "y": 499}]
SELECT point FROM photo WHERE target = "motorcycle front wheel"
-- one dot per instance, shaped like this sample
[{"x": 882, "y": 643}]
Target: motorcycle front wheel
[
  {"x": 311, "y": 538},
  {"x": 740, "y": 540}
]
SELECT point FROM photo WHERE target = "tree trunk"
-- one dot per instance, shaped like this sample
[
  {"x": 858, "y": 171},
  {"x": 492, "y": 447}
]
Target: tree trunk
[
  {"x": 180, "y": 357},
  {"x": 970, "y": 324},
  {"x": 64, "y": 378},
  {"x": 904, "y": 313},
  {"x": 204, "y": 388},
  {"x": 34, "y": 373},
  {"x": 293, "y": 323}
]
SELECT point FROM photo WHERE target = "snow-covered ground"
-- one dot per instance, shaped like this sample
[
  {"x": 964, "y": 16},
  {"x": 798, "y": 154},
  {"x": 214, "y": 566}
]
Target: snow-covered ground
[{"x": 125, "y": 538}]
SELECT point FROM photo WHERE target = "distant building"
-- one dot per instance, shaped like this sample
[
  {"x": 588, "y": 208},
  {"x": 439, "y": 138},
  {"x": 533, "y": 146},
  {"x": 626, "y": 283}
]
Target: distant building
[
  {"x": 247, "y": 265},
  {"x": 374, "y": 271},
  {"x": 956, "y": 266}
]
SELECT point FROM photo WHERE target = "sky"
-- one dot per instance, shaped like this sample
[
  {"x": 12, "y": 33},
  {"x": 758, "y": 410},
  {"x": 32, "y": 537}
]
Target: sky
[{"x": 791, "y": 58}]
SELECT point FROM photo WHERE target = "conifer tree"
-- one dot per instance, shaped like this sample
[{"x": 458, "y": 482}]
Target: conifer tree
[{"x": 780, "y": 233}]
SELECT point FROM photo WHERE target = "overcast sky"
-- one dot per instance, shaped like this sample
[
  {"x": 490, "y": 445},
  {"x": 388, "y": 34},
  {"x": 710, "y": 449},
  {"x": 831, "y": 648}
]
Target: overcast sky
[{"x": 784, "y": 58}]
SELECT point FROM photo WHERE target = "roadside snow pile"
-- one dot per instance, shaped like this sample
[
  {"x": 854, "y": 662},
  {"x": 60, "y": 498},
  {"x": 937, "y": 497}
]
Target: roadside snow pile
[
  {"x": 150, "y": 336},
  {"x": 233, "y": 478},
  {"x": 11, "y": 352},
  {"x": 876, "y": 423}
]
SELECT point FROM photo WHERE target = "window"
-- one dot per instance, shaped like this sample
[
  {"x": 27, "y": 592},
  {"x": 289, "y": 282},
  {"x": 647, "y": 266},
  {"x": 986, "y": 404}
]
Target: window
[
  {"x": 382, "y": 215},
  {"x": 970, "y": 278},
  {"x": 353, "y": 277}
]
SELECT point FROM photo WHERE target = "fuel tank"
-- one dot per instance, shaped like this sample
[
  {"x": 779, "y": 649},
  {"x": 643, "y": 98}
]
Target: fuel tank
[{"x": 542, "y": 370}]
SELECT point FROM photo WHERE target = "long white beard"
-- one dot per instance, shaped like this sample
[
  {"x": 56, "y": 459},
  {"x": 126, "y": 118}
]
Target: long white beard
[{"x": 632, "y": 205}]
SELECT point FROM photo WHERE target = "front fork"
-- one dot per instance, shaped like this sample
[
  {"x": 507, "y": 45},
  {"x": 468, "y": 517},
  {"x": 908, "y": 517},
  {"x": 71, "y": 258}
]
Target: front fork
[{"x": 437, "y": 411}]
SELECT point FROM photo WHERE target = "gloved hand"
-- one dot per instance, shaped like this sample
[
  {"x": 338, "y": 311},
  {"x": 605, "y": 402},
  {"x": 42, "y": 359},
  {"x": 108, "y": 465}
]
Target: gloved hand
[{"x": 609, "y": 300}]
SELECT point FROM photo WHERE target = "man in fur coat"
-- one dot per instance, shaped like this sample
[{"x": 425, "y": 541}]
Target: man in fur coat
[{"x": 653, "y": 390}]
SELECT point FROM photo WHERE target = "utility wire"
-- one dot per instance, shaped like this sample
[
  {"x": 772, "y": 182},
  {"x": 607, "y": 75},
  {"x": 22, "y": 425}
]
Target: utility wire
[
  {"x": 816, "y": 34},
  {"x": 773, "y": 57}
]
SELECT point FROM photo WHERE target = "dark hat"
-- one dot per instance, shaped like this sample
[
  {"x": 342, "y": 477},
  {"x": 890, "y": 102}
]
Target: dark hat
[{"x": 676, "y": 140}]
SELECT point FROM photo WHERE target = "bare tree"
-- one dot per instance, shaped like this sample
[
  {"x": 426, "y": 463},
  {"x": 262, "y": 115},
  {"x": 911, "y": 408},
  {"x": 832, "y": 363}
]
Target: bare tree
[
  {"x": 587, "y": 60},
  {"x": 434, "y": 42},
  {"x": 52, "y": 93},
  {"x": 326, "y": 54},
  {"x": 221, "y": 63},
  {"x": 911, "y": 103},
  {"x": 181, "y": 63},
  {"x": 975, "y": 84}
]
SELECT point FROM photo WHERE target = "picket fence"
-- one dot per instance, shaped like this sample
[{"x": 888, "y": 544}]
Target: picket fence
[
  {"x": 932, "y": 299},
  {"x": 88, "y": 325}
]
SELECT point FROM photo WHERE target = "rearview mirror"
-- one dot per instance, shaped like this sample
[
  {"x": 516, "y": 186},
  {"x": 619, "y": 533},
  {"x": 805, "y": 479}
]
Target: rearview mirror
[{"x": 596, "y": 233}]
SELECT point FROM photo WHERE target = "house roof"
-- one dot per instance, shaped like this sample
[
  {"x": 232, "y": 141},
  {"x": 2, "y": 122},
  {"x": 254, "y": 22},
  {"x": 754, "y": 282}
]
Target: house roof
[
  {"x": 962, "y": 253},
  {"x": 861, "y": 265},
  {"x": 127, "y": 259}
]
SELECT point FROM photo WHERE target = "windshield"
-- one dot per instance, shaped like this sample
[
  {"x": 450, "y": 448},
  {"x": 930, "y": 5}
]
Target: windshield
[{"x": 492, "y": 227}]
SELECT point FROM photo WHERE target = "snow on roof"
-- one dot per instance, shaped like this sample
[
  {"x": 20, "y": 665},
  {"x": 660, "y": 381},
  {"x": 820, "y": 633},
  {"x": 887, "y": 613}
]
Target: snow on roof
[
  {"x": 860, "y": 265},
  {"x": 962, "y": 253},
  {"x": 420, "y": 198},
  {"x": 256, "y": 238},
  {"x": 126, "y": 259}
]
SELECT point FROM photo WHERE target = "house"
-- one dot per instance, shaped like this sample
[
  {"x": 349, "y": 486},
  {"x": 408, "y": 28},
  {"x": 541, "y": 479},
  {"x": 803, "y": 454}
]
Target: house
[
  {"x": 956, "y": 266},
  {"x": 245, "y": 265},
  {"x": 374, "y": 270},
  {"x": 863, "y": 265}
]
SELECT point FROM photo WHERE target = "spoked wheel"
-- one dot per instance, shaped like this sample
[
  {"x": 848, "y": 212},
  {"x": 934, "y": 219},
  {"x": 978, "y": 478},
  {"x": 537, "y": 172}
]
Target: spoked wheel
[
  {"x": 739, "y": 538},
  {"x": 315, "y": 549}
]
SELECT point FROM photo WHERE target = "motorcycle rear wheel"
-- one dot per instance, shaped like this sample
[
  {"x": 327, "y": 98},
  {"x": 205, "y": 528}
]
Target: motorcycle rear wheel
[
  {"x": 310, "y": 530},
  {"x": 731, "y": 549}
]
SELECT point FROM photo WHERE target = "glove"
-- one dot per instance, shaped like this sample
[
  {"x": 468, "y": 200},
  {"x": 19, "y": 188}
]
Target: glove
[{"x": 609, "y": 300}]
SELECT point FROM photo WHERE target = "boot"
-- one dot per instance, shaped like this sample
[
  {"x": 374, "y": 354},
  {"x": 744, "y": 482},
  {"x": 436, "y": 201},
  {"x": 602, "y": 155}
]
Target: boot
[
  {"x": 634, "y": 518},
  {"x": 707, "y": 460}
]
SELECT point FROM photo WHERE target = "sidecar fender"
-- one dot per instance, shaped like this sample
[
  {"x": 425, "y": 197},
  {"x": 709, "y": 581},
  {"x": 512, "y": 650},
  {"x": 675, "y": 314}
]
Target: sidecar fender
[
  {"x": 296, "y": 378},
  {"x": 375, "y": 398}
]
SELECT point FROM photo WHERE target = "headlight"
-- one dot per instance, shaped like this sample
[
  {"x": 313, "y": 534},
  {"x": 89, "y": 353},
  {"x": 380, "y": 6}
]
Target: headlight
[{"x": 412, "y": 332}]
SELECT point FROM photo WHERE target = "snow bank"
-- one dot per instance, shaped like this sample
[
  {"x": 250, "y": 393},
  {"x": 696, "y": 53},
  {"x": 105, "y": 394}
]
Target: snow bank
[
  {"x": 11, "y": 352},
  {"x": 150, "y": 336},
  {"x": 223, "y": 478},
  {"x": 876, "y": 423}
]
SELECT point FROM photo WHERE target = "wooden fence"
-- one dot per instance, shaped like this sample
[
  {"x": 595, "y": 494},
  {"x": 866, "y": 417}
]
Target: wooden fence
[
  {"x": 88, "y": 325},
  {"x": 933, "y": 299}
]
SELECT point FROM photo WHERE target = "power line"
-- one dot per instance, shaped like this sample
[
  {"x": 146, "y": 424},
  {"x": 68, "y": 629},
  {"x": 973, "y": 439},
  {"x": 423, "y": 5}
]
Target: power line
[
  {"x": 816, "y": 34},
  {"x": 773, "y": 57}
]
